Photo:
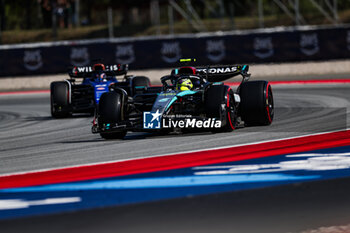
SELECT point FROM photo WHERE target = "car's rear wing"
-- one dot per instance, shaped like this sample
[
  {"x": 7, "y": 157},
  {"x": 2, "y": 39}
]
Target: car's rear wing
[
  {"x": 224, "y": 72},
  {"x": 110, "y": 70}
]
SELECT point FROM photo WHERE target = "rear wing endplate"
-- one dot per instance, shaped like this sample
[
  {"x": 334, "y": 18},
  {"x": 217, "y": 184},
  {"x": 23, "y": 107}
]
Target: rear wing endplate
[{"x": 224, "y": 72}]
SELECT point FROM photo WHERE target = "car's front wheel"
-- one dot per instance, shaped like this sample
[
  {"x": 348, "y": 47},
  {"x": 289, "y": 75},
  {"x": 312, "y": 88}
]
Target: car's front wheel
[
  {"x": 111, "y": 110},
  {"x": 59, "y": 95}
]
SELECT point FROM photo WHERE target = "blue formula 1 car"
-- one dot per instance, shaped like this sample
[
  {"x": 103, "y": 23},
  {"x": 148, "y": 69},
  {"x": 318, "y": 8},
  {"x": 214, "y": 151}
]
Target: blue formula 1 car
[
  {"x": 189, "y": 98},
  {"x": 68, "y": 96}
]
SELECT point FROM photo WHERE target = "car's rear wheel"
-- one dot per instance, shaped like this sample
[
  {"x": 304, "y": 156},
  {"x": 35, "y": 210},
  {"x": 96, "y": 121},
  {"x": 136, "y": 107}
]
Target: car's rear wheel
[
  {"x": 111, "y": 111},
  {"x": 59, "y": 95},
  {"x": 257, "y": 106},
  {"x": 220, "y": 104}
]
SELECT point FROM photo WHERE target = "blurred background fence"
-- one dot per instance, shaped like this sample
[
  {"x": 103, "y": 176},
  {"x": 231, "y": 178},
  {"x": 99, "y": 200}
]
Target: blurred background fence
[
  {"x": 151, "y": 34},
  {"x": 49, "y": 20}
]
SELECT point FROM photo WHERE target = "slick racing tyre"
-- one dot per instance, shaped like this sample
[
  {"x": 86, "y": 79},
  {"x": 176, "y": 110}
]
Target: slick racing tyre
[
  {"x": 256, "y": 107},
  {"x": 220, "y": 104},
  {"x": 59, "y": 95},
  {"x": 139, "y": 81},
  {"x": 111, "y": 110}
]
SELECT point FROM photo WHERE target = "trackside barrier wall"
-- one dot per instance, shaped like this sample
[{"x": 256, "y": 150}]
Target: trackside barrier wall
[{"x": 252, "y": 46}]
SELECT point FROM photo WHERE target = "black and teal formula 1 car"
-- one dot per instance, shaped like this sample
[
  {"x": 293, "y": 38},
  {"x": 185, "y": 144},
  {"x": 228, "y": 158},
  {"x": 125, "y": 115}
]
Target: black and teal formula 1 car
[{"x": 189, "y": 98}]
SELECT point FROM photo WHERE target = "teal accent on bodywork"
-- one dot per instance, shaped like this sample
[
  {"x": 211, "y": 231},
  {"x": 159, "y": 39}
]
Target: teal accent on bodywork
[
  {"x": 170, "y": 103},
  {"x": 163, "y": 100},
  {"x": 180, "y": 94},
  {"x": 245, "y": 66},
  {"x": 188, "y": 92},
  {"x": 217, "y": 83},
  {"x": 139, "y": 87}
]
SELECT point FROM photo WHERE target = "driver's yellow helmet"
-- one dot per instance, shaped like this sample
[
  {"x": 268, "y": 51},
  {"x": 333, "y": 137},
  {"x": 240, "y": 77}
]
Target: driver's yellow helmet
[{"x": 184, "y": 85}]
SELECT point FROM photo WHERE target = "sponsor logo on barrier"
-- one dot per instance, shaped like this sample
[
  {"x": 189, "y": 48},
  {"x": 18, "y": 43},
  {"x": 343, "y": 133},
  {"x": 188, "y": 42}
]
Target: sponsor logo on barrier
[
  {"x": 263, "y": 47},
  {"x": 348, "y": 39},
  {"x": 125, "y": 54},
  {"x": 309, "y": 44},
  {"x": 79, "y": 56},
  {"x": 171, "y": 51},
  {"x": 32, "y": 60},
  {"x": 215, "y": 50}
]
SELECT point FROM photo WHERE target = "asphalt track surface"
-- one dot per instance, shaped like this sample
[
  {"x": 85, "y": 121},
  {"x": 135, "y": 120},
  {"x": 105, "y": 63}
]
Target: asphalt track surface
[{"x": 31, "y": 140}]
